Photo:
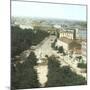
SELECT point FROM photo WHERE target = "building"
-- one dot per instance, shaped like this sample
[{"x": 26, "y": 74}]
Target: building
[
  {"x": 68, "y": 40},
  {"x": 63, "y": 42},
  {"x": 70, "y": 34},
  {"x": 69, "y": 44},
  {"x": 57, "y": 26},
  {"x": 67, "y": 34},
  {"x": 26, "y": 26}
]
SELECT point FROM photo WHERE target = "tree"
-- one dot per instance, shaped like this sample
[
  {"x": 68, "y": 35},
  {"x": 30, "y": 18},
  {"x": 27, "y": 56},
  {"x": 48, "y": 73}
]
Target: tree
[
  {"x": 53, "y": 75},
  {"x": 82, "y": 65},
  {"x": 53, "y": 44},
  {"x": 57, "y": 34},
  {"x": 62, "y": 76},
  {"x": 61, "y": 50},
  {"x": 32, "y": 60},
  {"x": 25, "y": 75},
  {"x": 24, "y": 39}
]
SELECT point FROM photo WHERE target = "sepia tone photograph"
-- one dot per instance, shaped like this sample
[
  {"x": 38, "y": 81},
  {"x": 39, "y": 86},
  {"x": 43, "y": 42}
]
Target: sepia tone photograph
[{"x": 48, "y": 45}]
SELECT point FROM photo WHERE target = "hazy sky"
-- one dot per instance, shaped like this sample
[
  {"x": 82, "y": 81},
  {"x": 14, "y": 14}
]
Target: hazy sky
[{"x": 45, "y": 10}]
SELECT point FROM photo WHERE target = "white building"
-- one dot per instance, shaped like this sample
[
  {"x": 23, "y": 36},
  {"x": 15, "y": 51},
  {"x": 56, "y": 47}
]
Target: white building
[
  {"x": 67, "y": 34},
  {"x": 57, "y": 26},
  {"x": 70, "y": 34},
  {"x": 26, "y": 26}
]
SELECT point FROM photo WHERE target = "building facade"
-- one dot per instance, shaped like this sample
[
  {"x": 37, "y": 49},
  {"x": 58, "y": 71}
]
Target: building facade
[{"x": 68, "y": 40}]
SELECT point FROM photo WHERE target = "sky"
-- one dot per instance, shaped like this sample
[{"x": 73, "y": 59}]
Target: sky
[{"x": 47, "y": 10}]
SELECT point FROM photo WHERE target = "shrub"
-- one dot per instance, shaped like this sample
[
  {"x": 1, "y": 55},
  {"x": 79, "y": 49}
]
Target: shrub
[{"x": 82, "y": 65}]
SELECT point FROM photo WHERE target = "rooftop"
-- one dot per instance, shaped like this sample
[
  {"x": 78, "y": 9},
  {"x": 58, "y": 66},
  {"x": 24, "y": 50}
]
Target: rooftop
[
  {"x": 67, "y": 31},
  {"x": 66, "y": 40},
  {"x": 75, "y": 45},
  {"x": 72, "y": 43}
]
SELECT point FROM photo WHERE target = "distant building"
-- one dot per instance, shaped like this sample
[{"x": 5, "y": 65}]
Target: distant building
[
  {"x": 26, "y": 26},
  {"x": 57, "y": 26}
]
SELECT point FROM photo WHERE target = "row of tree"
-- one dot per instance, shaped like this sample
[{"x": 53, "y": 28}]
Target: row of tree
[
  {"x": 23, "y": 39},
  {"x": 62, "y": 76},
  {"x": 24, "y": 75}
]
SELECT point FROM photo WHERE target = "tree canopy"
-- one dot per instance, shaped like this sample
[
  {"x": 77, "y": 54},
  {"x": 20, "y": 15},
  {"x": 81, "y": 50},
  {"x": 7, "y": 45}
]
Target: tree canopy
[
  {"x": 62, "y": 76},
  {"x": 25, "y": 75},
  {"x": 24, "y": 39}
]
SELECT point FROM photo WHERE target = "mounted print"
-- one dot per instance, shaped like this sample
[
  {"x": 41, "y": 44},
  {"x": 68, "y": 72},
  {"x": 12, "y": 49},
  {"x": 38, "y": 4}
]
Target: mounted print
[{"x": 48, "y": 45}]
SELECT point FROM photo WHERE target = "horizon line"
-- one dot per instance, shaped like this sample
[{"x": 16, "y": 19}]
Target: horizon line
[{"x": 48, "y": 18}]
